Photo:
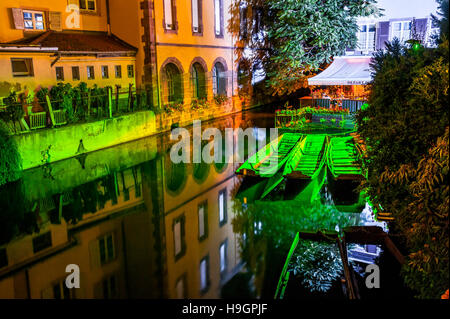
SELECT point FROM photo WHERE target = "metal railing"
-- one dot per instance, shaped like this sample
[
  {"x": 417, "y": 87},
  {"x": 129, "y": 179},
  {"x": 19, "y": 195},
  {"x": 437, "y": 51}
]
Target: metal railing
[{"x": 38, "y": 120}]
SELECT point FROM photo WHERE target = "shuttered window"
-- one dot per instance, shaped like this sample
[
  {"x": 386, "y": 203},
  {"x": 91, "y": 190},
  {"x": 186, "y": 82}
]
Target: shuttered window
[
  {"x": 168, "y": 15},
  {"x": 33, "y": 20},
  {"x": 22, "y": 67},
  {"x": 218, "y": 17}
]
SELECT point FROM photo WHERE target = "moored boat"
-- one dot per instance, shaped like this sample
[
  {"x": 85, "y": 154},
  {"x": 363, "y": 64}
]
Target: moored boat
[
  {"x": 271, "y": 158},
  {"x": 342, "y": 159},
  {"x": 307, "y": 158}
]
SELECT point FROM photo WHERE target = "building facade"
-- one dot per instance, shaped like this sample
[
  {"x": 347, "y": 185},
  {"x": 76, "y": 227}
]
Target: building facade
[{"x": 181, "y": 51}]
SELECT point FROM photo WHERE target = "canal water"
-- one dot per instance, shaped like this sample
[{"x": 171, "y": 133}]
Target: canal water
[{"x": 138, "y": 225}]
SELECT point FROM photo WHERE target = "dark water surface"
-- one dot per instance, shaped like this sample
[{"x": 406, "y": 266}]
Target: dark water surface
[{"x": 140, "y": 226}]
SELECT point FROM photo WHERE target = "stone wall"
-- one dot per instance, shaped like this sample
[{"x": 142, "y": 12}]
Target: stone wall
[{"x": 50, "y": 145}]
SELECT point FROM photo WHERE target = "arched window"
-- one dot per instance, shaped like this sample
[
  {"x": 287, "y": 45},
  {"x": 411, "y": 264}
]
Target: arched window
[
  {"x": 243, "y": 75},
  {"x": 172, "y": 84},
  {"x": 198, "y": 81},
  {"x": 219, "y": 79}
]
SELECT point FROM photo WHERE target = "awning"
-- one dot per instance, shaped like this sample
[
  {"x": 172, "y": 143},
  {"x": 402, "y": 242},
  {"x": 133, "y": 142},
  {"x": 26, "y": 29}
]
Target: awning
[{"x": 345, "y": 70}]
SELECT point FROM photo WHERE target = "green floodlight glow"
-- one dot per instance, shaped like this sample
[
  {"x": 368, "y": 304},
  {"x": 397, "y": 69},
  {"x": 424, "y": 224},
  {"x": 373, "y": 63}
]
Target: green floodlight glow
[
  {"x": 282, "y": 282},
  {"x": 365, "y": 106},
  {"x": 416, "y": 46}
]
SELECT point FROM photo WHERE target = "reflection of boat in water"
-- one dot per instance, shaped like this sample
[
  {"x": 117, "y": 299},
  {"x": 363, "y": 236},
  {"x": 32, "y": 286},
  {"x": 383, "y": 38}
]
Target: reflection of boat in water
[
  {"x": 308, "y": 157},
  {"x": 345, "y": 173},
  {"x": 271, "y": 158}
]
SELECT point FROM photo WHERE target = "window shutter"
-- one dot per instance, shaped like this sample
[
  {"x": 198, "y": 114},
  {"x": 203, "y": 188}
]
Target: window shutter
[
  {"x": 195, "y": 15},
  {"x": 55, "y": 21},
  {"x": 217, "y": 17},
  {"x": 18, "y": 18},
  {"x": 382, "y": 35},
  {"x": 168, "y": 14}
]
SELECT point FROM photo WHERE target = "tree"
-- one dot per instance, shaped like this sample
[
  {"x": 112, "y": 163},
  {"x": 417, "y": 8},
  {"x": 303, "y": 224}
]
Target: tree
[
  {"x": 292, "y": 39},
  {"x": 10, "y": 160},
  {"x": 406, "y": 132}
]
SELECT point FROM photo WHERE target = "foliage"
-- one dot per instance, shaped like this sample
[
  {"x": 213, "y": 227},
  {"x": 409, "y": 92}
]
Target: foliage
[
  {"x": 10, "y": 160},
  {"x": 173, "y": 107},
  {"x": 14, "y": 110},
  {"x": 408, "y": 112},
  {"x": 219, "y": 99},
  {"x": 277, "y": 222},
  {"x": 318, "y": 264},
  {"x": 442, "y": 20},
  {"x": 425, "y": 220},
  {"x": 314, "y": 110},
  {"x": 15, "y": 217},
  {"x": 291, "y": 39},
  {"x": 199, "y": 104}
]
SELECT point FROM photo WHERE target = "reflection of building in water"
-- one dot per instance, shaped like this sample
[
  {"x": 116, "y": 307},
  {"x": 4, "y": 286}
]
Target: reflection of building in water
[
  {"x": 147, "y": 228},
  {"x": 201, "y": 250}
]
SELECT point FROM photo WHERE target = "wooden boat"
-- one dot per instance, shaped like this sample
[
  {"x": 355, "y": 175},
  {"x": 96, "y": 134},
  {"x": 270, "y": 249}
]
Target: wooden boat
[
  {"x": 342, "y": 159},
  {"x": 307, "y": 158},
  {"x": 271, "y": 158}
]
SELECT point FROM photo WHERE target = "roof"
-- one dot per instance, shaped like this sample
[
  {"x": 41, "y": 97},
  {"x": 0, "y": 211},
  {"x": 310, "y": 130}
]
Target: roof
[
  {"x": 94, "y": 42},
  {"x": 345, "y": 70}
]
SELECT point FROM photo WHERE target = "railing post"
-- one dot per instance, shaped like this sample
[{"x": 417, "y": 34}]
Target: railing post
[
  {"x": 89, "y": 105},
  {"x": 50, "y": 110},
  {"x": 130, "y": 92},
  {"x": 110, "y": 101}
]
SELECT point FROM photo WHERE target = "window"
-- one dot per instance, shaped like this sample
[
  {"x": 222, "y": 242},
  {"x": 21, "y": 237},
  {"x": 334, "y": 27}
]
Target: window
[
  {"x": 401, "y": 30},
  {"x": 169, "y": 15},
  {"x": 198, "y": 81},
  {"x": 60, "y": 291},
  {"x": 218, "y": 18},
  {"x": 222, "y": 207},
  {"x": 172, "y": 83},
  {"x": 42, "y": 242},
  {"x": 204, "y": 274},
  {"x": 106, "y": 248},
  {"x": 196, "y": 16},
  {"x": 118, "y": 71},
  {"x": 90, "y": 73},
  {"x": 130, "y": 70},
  {"x": 105, "y": 74},
  {"x": 179, "y": 237},
  {"x": 366, "y": 37},
  {"x": 109, "y": 286},
  {"x": 33, "y": 20},
  {"x": 180, "y": 287},
  {"x": 22, "y": 67},
  {"x": 243, "y": 22},
  {"x": 75, "y": 73},
  {"x": 3, "y": 258},
  {"x": 219, "y": 79},
  {"x": 88, "y": 5},
  {"x": 59, "y": 73},
  {"x": 202, "y": 221},
  {"x": 223, "y": 257}
]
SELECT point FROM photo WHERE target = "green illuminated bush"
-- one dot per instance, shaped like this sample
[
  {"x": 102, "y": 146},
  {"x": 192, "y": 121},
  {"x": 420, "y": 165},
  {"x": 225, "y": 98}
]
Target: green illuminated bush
[
  {"x": 404, "y": 126},
  {"x": 10, "y": 160}
]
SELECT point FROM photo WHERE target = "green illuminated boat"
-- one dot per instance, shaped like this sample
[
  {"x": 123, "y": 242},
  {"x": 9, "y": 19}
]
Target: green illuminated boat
[
  {"x": 307, "y": 158},
  {"x": 342, "y": 159},
  {"x": 271, "y": 158}
]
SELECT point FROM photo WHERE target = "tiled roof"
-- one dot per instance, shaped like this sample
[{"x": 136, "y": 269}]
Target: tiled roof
[{"x": 78, "y": 42}]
